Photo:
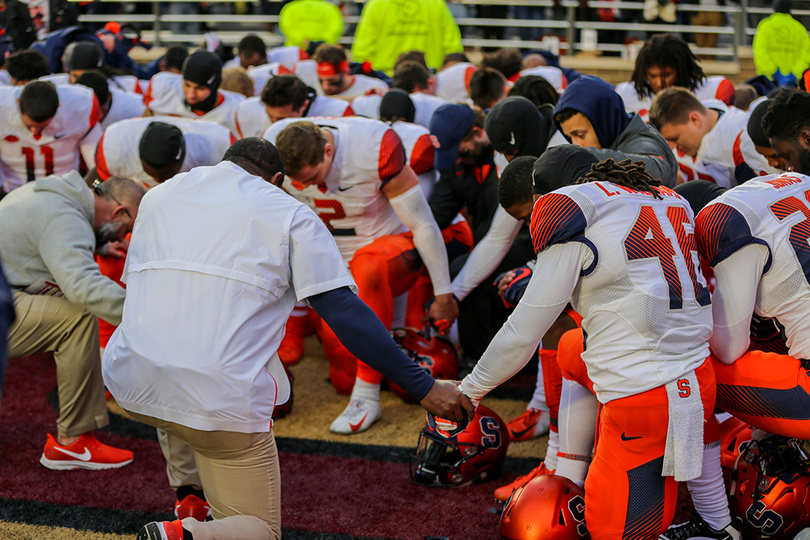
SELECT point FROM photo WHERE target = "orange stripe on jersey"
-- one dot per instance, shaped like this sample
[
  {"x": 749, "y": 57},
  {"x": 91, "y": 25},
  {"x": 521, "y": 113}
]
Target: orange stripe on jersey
[
  {"x": 284, "y": 70},
  {"x": 95, "y": 113},
  {"x": 391, "y": 160},
  {"x": 423, "y": 155},
  {"x": 238, "y": 127},
  {"x": 468, "y": 73},
  {"x": 736, "y": 151},
  {"x": 101, "y": 162},
  {"x": 556, "y": 219},
  {"x": 233, "y": 139},
  {"x": 725, "y": 92},
  {"x": 147, "y": 97},
  {"x": 720, "y": 231},
  {"x": 349, "y": 111}
]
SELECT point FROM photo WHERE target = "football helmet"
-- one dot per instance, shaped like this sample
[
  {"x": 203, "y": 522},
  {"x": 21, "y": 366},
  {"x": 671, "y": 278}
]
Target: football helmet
[
  {"x": 733, "y": 433},
  {"x": 474, "y": 455},
  {"x": 548, "y": 507},
  {"x": 434, "y": 354},
  {"x": 770, "y": 488}
]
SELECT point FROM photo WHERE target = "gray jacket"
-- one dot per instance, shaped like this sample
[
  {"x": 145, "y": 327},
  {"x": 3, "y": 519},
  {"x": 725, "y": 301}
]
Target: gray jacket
[
  {"x": 47, "y": 233},
  {"x": 641, "y": 142}
]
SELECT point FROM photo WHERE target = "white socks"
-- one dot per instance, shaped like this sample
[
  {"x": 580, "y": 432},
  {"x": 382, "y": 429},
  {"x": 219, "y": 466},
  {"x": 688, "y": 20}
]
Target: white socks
[{"x": 364, "y": 390}]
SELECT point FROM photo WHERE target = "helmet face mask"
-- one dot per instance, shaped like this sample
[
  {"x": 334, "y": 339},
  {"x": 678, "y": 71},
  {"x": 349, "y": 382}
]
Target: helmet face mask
[
  {"x": 474, "y": 455},
  {"x": 770, "y": 488}
]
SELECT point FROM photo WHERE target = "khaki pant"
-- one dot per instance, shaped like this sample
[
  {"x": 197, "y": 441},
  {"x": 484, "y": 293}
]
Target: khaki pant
[
  {"x": 47, "y": 323},
  {"x": 240, "y": 475}
]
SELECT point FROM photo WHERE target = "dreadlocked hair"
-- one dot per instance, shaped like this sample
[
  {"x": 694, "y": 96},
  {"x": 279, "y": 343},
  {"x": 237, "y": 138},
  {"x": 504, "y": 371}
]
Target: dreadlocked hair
[{"x": 627, "y": 173}]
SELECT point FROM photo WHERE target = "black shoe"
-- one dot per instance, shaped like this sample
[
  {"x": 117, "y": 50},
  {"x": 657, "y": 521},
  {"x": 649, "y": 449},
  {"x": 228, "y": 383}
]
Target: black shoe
[{"x": 697, "y": 528}]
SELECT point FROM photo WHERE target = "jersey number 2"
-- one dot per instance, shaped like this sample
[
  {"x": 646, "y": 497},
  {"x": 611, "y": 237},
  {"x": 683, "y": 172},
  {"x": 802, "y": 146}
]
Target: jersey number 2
[
  {"x": 647, "y": 240},
  {"x": 30, "y": 166}
]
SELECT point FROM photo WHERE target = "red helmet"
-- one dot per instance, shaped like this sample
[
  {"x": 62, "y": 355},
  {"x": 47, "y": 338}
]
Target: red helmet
[
  {"x": 733, "y": 433},
  {"x": 770, "y": 488},
  {"x": 476, "y": 454},
  {"x": 548, "y": 507},
  {"x": 435, "y": 354}
]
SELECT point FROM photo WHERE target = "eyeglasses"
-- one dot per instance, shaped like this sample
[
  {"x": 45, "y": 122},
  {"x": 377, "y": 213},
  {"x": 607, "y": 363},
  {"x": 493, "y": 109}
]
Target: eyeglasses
[{"x": 99, "y": 190}]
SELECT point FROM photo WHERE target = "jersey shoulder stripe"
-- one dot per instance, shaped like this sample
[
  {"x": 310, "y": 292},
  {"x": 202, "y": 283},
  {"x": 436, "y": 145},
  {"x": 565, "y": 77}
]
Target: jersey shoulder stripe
[
  {"x": 721, "y": 230},
  {"x": 556, "y": 219}
]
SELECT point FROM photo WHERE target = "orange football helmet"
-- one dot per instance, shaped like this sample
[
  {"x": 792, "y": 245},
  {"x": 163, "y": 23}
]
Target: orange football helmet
[
  {"x": 548, "y": 507},
  {"x": 434, "y": 354},
  {"x": 473, "y": 455},
  {"x": 770, "y": 488},
  {"x": 733, "y": 433}
]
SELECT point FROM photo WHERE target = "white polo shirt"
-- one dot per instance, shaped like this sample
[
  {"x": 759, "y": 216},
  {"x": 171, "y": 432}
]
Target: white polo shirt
[{"x": 217, "y": 260}]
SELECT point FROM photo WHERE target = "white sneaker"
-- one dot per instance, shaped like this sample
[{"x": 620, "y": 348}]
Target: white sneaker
[{"x": 359, "y": 415}]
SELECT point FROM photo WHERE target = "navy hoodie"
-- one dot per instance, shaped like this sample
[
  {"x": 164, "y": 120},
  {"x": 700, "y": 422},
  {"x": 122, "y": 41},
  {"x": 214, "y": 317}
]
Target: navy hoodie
[{"x": 621, "y": 135}]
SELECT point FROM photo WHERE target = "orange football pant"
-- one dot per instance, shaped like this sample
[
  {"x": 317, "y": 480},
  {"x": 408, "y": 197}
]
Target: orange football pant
[
  {"x": 767, "y": 390},
  {"x": 386, "y": 268},
  {"x": 625, "y": 495}
]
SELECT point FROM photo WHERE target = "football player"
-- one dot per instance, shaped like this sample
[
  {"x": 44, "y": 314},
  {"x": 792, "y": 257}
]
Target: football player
[
  {"x": 618, "y": 248},
  {"x": 755, "y": 237},
  {"x": 45, "y": 130},
  {"x": 195, "y": 94},
  {"x": 353, "y": 173}
]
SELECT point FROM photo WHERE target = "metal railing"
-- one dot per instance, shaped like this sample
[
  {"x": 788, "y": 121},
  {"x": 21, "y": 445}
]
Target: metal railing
[{"x": 230, "y": 27}]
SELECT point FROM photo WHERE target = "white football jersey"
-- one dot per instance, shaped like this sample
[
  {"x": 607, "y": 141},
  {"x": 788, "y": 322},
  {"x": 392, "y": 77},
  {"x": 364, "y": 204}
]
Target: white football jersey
[
  {"x": 715, "y": 87},
  {"x": 716, "y": 152},
  {"x": 252, "y": 119},
  {"x": 646, "y": 310},
  {"x": 306, "y": 70},
  {"x": 368, "y": 106},
  {"x": 368, "y": 153},
  {"x": 453, "y": 83},
  {"x": 420, "y": 152},
  {"x": 553, "y": 75},
  {"x": 23, "y": 157},
  {"x": 772, "y": 211},
  {"x": 362, "y": 85},
  {"x": 118, "y": 153},
  {"x": 425, "y": 105},
  {"x": 165, "y": 97},
  {"x": 124, "y": 105},
  {"x": 286, "y": 56}
]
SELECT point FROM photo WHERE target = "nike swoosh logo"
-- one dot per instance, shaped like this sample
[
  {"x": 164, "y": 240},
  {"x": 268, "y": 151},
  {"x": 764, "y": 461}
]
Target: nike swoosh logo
[
  {"x": 519, "y": 434},
  {"x": 341, "y": 188},
  {"x": 512, "y": 140},
  {"x": 522, "y": 274},
  {"x": 355, "y": 427},
  {"x": 626, "y": 438},
  {"x": 84, "y": 456},
  {"x": 59, "y": 136}
]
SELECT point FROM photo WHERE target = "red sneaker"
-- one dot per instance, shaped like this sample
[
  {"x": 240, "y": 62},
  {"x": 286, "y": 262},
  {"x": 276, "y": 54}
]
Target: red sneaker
[
  {"x": 531, "y": 424},
  {"x": 300, "y": 324},
  {"x": 86, "y": 453},
  {"x": 504, "y": 492},
  {"x": 161, "y": 530},
  {"x": 193, "y": 507}
]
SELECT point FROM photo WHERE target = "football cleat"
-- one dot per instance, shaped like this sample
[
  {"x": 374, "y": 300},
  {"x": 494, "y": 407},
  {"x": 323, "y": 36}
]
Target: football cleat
[
  {"x": 85, "y": 453},
  {"x": 358, "y": 416},
  {"x": 161, "y": 530},
  {"x": 697, "y": 528},
  {"x": 193, "y": 507},
  {"x": 531, "y": 424},
  {"x": 504, "y": 492}
]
